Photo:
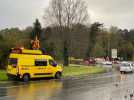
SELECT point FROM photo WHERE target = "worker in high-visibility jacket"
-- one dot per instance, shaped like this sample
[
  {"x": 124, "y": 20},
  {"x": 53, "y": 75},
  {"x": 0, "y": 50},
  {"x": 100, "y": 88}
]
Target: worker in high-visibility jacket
[{"x": 35, "y": 43}]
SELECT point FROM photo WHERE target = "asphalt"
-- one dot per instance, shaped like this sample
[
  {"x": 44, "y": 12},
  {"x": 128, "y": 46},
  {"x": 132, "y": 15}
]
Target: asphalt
[{"x": 108, "y": 86}]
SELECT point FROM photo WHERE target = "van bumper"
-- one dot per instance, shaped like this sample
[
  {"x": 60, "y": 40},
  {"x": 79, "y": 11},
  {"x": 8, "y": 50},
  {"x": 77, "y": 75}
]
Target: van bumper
[{"x": 12, "y": 76}]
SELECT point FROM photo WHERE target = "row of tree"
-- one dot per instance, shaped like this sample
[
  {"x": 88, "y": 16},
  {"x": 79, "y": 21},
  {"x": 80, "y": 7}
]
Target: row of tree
[{"x": 69, "y": 34}]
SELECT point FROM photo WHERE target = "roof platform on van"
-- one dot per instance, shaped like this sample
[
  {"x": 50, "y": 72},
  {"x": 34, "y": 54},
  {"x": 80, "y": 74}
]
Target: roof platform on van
[{"x": 26, "y": 51}]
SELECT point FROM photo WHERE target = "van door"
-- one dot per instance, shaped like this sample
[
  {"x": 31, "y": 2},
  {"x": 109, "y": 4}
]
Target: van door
[
  {"x": 51, "y": 68},
  {"x": 12, "y": 66},
  {"x": 40, "y": 65}
]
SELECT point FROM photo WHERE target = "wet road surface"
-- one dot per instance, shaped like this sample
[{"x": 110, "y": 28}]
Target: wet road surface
[{"x": 109, "y": 86}]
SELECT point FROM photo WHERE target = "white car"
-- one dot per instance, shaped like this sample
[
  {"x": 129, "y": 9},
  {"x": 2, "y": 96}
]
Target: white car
[
  {"x": 107, "y": 63},
  {"x": 126, "y": 67}
]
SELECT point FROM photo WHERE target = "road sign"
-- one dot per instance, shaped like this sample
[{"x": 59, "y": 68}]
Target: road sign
[{"x": 114, "y": 53}]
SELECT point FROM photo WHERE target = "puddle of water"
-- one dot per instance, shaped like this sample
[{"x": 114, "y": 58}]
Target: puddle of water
[{"x": 41, "y": 91}]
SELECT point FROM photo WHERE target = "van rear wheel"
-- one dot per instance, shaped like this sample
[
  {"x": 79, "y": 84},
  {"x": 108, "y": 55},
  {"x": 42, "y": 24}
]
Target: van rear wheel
[
  {"x": 26, "y": 78},
  {"x": 58, "y": 75}
]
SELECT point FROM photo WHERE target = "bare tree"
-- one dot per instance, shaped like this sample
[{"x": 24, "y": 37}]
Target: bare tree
[{"x": 64, "y": 14}]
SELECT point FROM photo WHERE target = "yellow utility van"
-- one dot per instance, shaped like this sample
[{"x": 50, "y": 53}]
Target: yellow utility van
[{"x": 26, "y": 64}]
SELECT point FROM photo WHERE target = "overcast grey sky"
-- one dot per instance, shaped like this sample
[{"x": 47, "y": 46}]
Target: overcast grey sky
[{"x": 22, "y": 13}]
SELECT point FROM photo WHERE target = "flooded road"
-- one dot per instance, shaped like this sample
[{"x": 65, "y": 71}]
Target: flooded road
[{"x": 111, "y": 86}]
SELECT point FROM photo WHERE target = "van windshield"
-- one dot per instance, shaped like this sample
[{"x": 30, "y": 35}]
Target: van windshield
[
  {"x": 53, "y": 63},
  {"x": 12, "y": 61}
]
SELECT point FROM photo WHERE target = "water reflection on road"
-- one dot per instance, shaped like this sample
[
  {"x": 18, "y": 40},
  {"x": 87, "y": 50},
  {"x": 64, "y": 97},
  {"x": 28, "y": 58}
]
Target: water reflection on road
[{"x": 34, "y": 91}]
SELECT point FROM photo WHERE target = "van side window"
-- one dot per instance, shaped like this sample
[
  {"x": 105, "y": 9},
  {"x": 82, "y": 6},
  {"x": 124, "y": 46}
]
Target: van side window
[
  {"x": 40, "y": 62},
  {"x": 12, "y": 61}
]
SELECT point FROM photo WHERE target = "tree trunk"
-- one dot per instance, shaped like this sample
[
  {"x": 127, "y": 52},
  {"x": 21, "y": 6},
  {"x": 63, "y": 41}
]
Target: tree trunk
[{"x": 65, "y": 54}]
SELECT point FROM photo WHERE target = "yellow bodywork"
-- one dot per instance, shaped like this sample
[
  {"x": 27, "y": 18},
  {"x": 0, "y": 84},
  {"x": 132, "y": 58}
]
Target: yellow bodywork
[{"x": 26, "y": 65}]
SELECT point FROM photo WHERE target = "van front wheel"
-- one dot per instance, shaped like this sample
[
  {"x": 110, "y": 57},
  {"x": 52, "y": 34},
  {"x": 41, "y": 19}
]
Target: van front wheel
[
  {"x": 26, "y": 78},
  {"x": 58, "y": 75}
]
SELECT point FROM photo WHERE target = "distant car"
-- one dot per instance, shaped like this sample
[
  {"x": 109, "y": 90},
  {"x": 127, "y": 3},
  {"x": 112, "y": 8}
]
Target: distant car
[
  {"x": 126, "y": 67},
  {"x": 107, "y": 63},
  {"x": 90, "y": 61}
]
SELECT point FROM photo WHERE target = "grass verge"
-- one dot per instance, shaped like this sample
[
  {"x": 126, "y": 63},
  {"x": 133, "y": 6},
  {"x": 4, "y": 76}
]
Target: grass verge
[
  {"x": 3, "y": 76},
  {"x": 74, "y": 70}
]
